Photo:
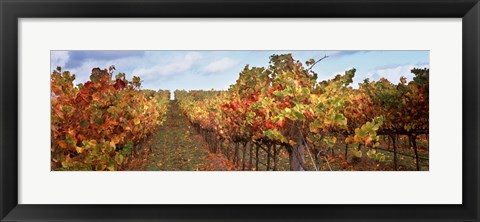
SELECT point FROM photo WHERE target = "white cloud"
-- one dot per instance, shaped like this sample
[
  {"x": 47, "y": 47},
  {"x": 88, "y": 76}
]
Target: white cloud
[
  {"x": 177, "y": 65},
  {"x": 220, "y": 65},
  {"x": 58, "y": 58},
  {"x": 393, "y": 74},
  {"x": 83, "y": 72},
  {"x": 324, "y": 76},
  {"x": 150, "y": 68}
]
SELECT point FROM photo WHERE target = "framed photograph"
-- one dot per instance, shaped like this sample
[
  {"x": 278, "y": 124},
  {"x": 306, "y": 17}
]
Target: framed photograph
[{"x": 224, "y": 110}]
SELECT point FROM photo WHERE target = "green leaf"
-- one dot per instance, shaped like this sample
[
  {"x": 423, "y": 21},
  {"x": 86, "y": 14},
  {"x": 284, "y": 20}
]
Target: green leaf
[
  {"x": 305, "y": 91},
  {"x": 128, "y": 147},
  {"x": 119, "y": 158},
  {"x": 330, "y": 141},
  {"x": 274, "y": 135},
  {"x": 83, "y": 123},
  {"x": 280, "y": 94},
  {"x": 357, "y": 153},
  {"x": 310, "y": 62},
  {"x": 382, "y": 157},
  {"x": 316, "y": 124},
  {"x": 298, "y": 114},
  {"x": 100, "y": 167},
  {"x": 111, "y": 166},
  {"x": 407, "y": 127},
  {"x": 340, "y": 119},
  {"x": 67, "y": 109},
  {"x": 355, "y": 145},
  {"x": 319, "y": 107},
  {"x": 371, "y": 153}
]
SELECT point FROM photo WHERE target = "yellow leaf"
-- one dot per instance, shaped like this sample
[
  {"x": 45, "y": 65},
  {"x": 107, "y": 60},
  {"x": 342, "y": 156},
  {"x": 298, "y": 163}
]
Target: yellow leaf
[
  {"x": 115, "y": 140},
  {"x": 92, "y": 143},
  {"x": 79, "y": 149},
  {"x": 357, "y": 153},
  {"x": 112, "y": 145}
]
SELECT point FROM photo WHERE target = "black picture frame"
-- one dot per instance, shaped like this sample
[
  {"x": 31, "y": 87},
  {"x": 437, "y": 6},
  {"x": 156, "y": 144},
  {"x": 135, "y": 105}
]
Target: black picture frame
[{"x": 11, "y": 10}]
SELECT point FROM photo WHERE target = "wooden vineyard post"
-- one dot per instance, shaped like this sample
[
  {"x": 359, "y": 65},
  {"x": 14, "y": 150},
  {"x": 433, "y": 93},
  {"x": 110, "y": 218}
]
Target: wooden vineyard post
[
  {"x": 388, "y": 142},
  {"x": 235, "y": 155},
  {"x": 275, "y": 159},
  {"x": 268, "y": 156},
  {"x": 250, "y": 162},
  {"x": 256, "y": 158},
  {"x": 394, "y": 151},
  {"x": 297, "y": 150},
  {"x": 244, "y": 156},
  {"x": 413, "y": 139},
  {"x": 346, "y": 151},
  {"x": 228, "y": 150}
]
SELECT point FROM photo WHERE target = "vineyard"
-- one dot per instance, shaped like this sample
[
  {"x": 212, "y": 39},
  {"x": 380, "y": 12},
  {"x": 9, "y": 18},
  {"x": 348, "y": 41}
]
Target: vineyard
[{"x": 274, "y": 118}]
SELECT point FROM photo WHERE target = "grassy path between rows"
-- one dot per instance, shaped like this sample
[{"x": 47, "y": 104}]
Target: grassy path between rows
[{"x": 176, "y": 146}]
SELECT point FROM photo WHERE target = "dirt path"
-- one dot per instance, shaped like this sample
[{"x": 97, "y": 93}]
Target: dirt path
[{"x": 176, "y": 146}]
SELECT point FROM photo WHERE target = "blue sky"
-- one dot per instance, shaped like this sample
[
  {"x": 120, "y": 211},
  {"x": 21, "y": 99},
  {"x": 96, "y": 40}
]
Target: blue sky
[{"x": 218, "y": 69}]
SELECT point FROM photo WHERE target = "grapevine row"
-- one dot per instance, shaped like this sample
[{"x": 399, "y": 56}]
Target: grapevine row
[
  {"x": 95, "y": 125},
  {"x": 284, "y": 106}
]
